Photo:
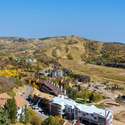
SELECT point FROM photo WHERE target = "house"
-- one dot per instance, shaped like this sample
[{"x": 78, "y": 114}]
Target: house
[
  {"x": 60, "y": 72},
  {"x": 69, "y": 109},
  {"x": 57, "y": 73},
  {"x": 49, "y": 87}
]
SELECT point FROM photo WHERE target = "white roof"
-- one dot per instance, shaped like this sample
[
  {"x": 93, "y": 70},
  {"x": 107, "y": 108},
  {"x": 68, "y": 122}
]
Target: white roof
[
  {"x": 91, "y": 109},
  {"x": 62, "y": 100}
]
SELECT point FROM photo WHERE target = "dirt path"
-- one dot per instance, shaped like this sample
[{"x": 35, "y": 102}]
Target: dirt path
[{"x": 116, "y": 110}]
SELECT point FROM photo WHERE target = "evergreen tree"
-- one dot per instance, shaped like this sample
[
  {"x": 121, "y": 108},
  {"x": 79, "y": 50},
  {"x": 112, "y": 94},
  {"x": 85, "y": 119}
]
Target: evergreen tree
[{"x": 11, "y": 109}]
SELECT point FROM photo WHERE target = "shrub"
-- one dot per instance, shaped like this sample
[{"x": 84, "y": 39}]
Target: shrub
[
  {"x": 4, "y": 117},
  {"x": 53, "y": 121},
  {"x": 34, "y": 119}
]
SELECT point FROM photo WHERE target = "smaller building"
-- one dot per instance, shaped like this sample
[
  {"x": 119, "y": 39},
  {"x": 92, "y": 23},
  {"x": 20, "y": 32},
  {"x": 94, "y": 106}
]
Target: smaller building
[{"x": 57, "y": 73}]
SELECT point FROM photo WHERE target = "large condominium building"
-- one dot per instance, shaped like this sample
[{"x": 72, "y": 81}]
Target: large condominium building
[{"x": 68, "y": 108}]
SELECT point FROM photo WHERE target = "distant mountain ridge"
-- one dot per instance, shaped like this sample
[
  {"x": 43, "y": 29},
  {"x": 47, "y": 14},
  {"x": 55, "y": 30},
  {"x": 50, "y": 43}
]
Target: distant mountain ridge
[{"x": 55, "y": 37}]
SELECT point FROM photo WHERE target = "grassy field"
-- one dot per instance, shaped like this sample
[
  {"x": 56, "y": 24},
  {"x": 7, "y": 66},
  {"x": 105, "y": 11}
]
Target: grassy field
[{"x": 96, "y": 72}]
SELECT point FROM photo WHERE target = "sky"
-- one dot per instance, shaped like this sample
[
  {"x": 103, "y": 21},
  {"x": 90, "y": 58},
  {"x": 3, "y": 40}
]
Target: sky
[{"x": 94, "y": 19}]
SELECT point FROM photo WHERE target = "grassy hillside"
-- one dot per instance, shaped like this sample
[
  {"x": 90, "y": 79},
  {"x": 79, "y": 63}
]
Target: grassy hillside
[
  {"x": 97, "y": 73},
  {"x": 94, "y": 52},
  {"x": 72, "y": 47},
  {"x": 78, "y": 54}
]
